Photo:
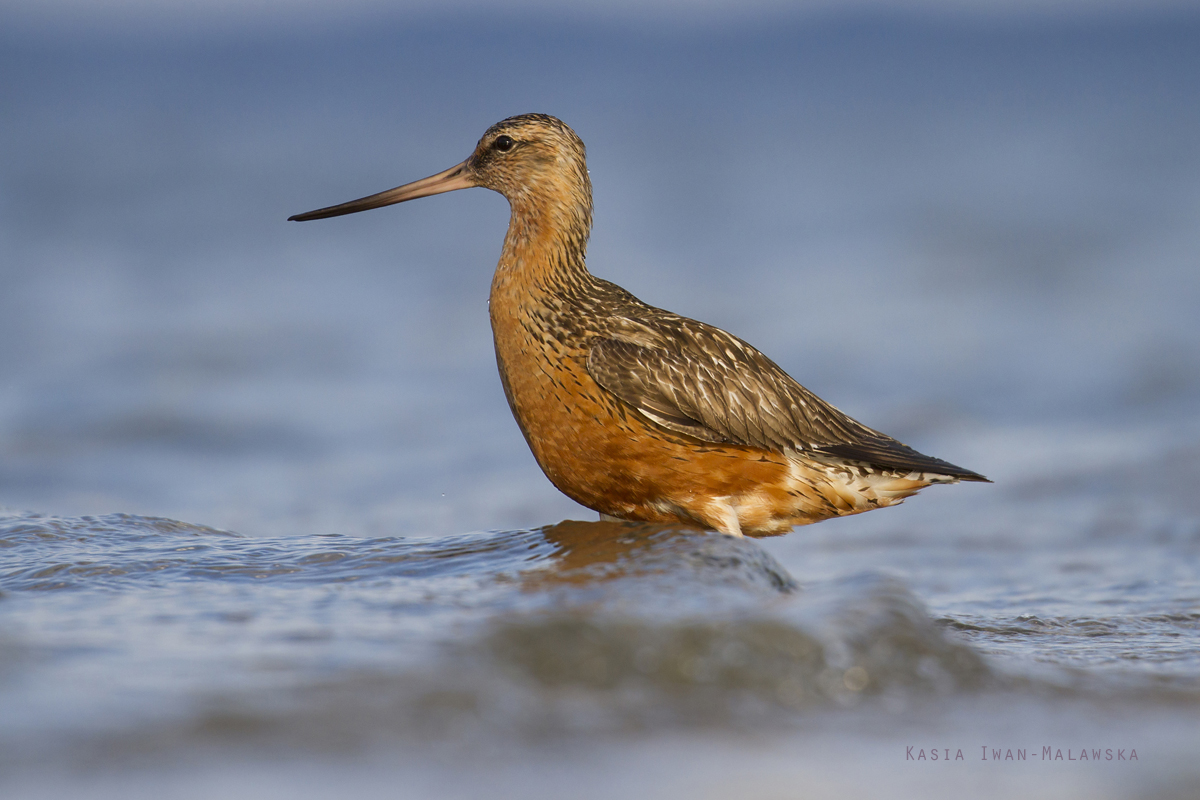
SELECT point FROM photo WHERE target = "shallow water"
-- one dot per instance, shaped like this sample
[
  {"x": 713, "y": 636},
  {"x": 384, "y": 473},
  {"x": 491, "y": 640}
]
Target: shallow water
[
  {"x": 979, "y": 239},
  {"x": 134, "y": 645}
]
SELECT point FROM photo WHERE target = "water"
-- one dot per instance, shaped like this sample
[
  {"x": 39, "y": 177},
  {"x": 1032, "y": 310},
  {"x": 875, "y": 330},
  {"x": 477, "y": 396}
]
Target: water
[{"x": 271, "y": 531}]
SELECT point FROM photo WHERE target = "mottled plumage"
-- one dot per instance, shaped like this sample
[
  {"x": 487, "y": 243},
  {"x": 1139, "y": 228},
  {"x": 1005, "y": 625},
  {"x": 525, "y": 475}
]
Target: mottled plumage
[{"x": 634, "y": 411}]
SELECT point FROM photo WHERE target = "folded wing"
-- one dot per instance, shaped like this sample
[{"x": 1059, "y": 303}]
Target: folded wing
[{"x": 700, "y": 381}]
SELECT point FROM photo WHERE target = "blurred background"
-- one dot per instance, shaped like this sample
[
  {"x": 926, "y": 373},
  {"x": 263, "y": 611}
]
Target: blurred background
[
  {"x": 946, "y": 221},
  {"x": 974, "y": 226}
]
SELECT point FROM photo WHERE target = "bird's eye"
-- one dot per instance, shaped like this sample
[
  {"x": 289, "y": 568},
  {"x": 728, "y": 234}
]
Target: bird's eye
[{"x": 503, "y": 143}]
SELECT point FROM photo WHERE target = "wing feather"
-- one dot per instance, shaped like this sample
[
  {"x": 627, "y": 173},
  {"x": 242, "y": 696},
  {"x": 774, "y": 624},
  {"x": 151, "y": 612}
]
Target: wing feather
[{"x": 700, "y": 381}]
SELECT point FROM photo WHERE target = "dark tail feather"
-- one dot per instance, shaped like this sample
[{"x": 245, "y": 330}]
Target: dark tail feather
[{"x": 889, "y": 454}]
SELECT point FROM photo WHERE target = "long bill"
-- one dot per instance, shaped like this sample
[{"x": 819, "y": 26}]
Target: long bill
[{"x": 457, "y": 177}]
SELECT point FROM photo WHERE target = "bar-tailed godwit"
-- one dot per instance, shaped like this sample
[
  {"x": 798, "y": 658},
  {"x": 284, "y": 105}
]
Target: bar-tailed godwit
[{"x": 636, "y": 412}]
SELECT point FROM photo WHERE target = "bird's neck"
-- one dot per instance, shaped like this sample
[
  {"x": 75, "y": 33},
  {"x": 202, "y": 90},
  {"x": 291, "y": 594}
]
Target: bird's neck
[{"x": 546, "y": 244}]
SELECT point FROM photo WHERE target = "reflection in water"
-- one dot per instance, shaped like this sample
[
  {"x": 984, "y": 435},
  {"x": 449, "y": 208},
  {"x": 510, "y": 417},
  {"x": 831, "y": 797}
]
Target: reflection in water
[{"x": 586, "y": 552}]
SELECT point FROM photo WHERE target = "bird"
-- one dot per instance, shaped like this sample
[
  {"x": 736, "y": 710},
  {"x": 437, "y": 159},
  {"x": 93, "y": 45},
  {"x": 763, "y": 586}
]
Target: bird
[{"x": 633, "y": 411}]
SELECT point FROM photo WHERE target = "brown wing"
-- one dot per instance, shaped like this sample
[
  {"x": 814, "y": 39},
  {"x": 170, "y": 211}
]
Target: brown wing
[{"x": 698, "y": 380}]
